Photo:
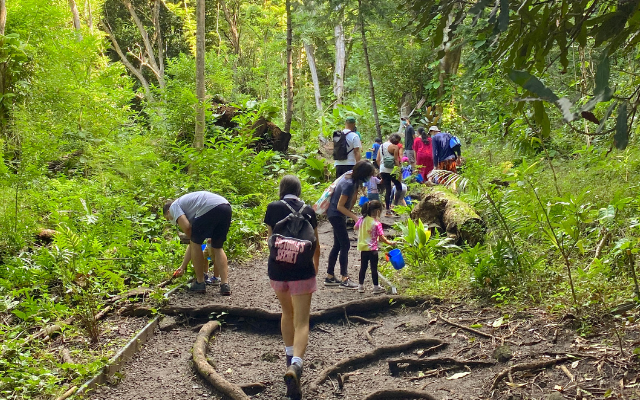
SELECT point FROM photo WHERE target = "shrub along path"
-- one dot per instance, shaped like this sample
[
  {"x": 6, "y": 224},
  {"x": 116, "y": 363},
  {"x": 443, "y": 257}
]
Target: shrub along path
[{"x": 396, "y": 349}]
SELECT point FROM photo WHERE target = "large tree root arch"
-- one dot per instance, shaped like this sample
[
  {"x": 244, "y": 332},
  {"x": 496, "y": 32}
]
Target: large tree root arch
[
  {"x": 205, "y": 369},
  {"x": 368, "y": 357},
  {"x": 399, "y": 394}
]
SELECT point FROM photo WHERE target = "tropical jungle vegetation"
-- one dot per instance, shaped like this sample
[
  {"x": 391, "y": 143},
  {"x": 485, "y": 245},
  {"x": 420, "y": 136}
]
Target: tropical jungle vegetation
[{"x": 110, "y": 107}]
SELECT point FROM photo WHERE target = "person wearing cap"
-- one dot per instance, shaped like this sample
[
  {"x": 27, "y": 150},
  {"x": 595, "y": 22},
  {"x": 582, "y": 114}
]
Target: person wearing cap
[
  {"x": 424, "y": 152},
  {"x": 409, "y": 137},
  {"x": 353, "y": 146},
  {"x": 444, "y": 156}
]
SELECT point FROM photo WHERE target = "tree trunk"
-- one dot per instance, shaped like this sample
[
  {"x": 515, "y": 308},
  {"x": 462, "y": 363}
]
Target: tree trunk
[
  {"x": 289, "y": 114},
  {"x": 374, "y": 106},
  {"x": 198, "y": 139},
  {"x": 339, "y": 69},
  {"x": 232, "y": 20},
  {"x": 88, "y": 15},
  {"x": 3, "y": 16},
  {"x": 156, "y": 24},
  {"x": 314, "y": 75},
  {"x": 76, "y": 18},
  {"x": 150, "y": 61},
  {"x": 136, "y": 72}
]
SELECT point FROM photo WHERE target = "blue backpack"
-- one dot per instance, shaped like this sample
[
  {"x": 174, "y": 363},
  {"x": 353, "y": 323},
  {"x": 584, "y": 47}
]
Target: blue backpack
[{"x": 453, "y": 142}]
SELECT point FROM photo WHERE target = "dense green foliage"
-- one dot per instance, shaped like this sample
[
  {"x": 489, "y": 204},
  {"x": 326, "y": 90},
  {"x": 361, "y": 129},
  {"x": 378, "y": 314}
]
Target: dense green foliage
[{"x": 91, "y": 152}]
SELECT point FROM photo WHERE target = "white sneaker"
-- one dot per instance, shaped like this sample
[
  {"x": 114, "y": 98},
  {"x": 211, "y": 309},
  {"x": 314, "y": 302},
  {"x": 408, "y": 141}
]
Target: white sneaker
[
  {"x": 360, "y": 288},
  {"x": 378, "y": 289}
]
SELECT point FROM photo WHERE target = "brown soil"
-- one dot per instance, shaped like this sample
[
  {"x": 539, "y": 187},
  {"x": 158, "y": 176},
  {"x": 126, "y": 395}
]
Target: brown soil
[{"x": 251, "y": 351}]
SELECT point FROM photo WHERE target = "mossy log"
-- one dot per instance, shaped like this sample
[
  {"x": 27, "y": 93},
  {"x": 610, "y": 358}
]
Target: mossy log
[{"x": 441, "y": 207}]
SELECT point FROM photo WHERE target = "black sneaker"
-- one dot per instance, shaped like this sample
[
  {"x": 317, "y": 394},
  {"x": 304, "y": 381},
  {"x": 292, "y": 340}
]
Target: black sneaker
[
  {"x": 348, "y": 284},
  {"x": 198, "y": 287},
  {"x": 292, "y": 380},
  {"x": 289, "y": 361},
  {"x": 225, "y": 289},
  {"x": 331, "y": 281}
]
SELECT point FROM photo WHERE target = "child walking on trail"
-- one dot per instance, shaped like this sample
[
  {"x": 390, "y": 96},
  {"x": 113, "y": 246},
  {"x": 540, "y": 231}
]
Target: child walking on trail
[
  {"x": 369, "y": 232},
  {"x": 372, "y": 188}
]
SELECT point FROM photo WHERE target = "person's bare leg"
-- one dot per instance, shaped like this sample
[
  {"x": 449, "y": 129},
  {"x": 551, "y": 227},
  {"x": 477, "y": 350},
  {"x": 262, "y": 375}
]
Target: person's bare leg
[
  {"x": 205, "y": 254},
  {"x": 301, "y": 309},
  {"x": 220, "y": 265},
  {"x": 198, "y": 261},
  {"x": 286, "y": 322}
]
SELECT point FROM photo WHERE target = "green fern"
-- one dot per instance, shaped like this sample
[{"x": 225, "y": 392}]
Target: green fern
[{"x": 448, "y": 179}]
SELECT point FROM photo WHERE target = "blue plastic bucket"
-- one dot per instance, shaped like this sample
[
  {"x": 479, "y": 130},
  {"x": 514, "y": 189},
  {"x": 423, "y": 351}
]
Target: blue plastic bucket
[
  {"x": 407, "y": 200},
  {"x": 204, "y": 246},
  {"x": 363, "y": 200},
  {"x": 395, "y": 257},
  {"x": 419, "y": 178},
  {"x": 368, "y": 155}
]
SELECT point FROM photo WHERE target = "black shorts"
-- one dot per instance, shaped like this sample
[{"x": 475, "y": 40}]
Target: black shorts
[{"x": 213, "y": 224}]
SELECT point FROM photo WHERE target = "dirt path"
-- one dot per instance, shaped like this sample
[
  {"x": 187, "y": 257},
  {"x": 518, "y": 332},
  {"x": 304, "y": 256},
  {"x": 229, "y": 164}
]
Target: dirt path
[{"x": 251, "y": 351}]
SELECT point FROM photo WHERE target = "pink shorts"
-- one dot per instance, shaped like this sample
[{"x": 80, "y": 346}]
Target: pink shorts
[{"x": 306, "y": 286}]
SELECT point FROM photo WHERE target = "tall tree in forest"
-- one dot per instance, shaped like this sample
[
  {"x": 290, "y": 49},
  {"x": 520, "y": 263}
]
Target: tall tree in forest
[
  {"x": 289, "y": 113},
  {"x": 341, "y": 62},
  {"x": 76, "y": 18},
  {"x": 374, "y": 106},
  {"x": 88, "y": 15},
  {"x": 198, "y": 139},
  {"x": 311, "y": 60},
  {"x": 3, "y": 16}
]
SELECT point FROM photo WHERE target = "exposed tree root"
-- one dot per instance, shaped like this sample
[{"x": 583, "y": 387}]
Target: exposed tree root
[
  {"x": 103, "y": 313},
  {"x": 367, "y": 333},
  {"x": 363, "y": 320},
  {"x": 137, "y": 292},
  {"x": 223, "y": 386},
  {"x": 368, "y": 357},
  {"x": 475, "y": 331},
  {"x": 357, "y": 306},
  {"x": 407, "y": 364},
  {"x": 433, "y": 349},
  {"x": 526, "y": 367},
  {"x": 398, "y": 394}
]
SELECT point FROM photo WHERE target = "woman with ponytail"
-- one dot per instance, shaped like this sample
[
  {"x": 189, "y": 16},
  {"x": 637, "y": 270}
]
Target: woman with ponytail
[{"x": 424, "y": 153}]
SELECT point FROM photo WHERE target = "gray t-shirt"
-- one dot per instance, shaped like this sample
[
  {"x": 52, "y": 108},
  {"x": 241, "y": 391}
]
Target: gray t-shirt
[
  {"x": 194, "y": 205},
  {"x": 345, "y": 187}
]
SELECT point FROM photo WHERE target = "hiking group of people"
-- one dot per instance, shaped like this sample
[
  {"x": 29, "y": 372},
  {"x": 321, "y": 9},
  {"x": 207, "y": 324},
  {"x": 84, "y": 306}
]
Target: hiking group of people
[{"x": 294, "y": 248}]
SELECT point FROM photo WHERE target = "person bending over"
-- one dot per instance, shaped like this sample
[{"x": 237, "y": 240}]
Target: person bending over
[{"x": 202, "y": 215}]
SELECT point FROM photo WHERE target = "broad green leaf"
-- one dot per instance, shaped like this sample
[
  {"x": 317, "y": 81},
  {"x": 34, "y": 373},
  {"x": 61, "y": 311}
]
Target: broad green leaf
[
  {"x": 621, "y": 138},
  {"x": 565, "y": 105},
  {"x": 479, "y": 6},
  {"x": 542, "y": 119},
  {"x": 411, "y": 232},
  {"x": 606, "y": 117},
  {"x": 315, "y": 163},
  {"x": 602, "y": 76},
  {"x": 503, "y": 19},
  {"x": 422, "y": 237},
  {"x": 532, "y": 84}
]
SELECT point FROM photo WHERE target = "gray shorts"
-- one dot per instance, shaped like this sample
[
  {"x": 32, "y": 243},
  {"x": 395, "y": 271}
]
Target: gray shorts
[{"x": 411, "y": 155}]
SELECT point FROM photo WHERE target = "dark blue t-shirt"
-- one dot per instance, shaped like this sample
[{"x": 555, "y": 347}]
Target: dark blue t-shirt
[
  {"x": 345, "y": 187},
  {"x": 441, "y": 148}
]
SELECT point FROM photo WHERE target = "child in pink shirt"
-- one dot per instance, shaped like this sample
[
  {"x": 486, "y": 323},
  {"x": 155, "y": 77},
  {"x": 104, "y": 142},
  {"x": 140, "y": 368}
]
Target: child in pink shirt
[{"x": 369, "y": 232}]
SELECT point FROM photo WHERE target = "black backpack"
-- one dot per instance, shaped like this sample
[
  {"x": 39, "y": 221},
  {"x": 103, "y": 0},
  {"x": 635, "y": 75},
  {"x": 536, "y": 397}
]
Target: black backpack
[
  {"x": 293, "y": 241},
  {"x": 340, "y": 147}
]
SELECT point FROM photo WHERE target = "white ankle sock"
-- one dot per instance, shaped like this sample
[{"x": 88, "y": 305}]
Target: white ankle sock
[
  {"x": 288, "y": 350},
  {"x": 297, "y": 360}
]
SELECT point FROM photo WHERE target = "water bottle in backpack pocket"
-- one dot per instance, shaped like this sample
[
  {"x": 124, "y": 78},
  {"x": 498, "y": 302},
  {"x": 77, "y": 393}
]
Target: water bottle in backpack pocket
[
  {"x": 293, "y": 241},
  {"x": 322, "y": 205}
]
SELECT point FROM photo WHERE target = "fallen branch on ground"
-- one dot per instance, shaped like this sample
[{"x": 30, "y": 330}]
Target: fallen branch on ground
[
  {"x": 526, "y": 367},
  {"x": 68, "y": 393},
  {"x": 398, "y": 394},
  {"x": 413, "y": 364},
  {"x": 103, "y": 313},
  {"x": 223, "y": 386},
  {"x": 66, "y": 356},
  {"x": 368, "y": 357},
  {"x": 475, "y": 331}
]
